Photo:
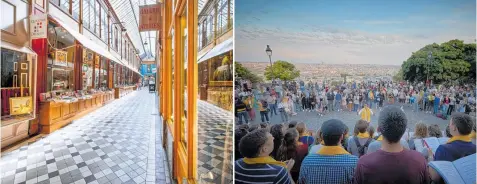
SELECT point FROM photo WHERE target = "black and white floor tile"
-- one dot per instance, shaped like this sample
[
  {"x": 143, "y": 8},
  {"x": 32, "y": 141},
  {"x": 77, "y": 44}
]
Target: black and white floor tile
[
  {"x": 215, "y": 144},
  {"x": 114, "y": 144}
]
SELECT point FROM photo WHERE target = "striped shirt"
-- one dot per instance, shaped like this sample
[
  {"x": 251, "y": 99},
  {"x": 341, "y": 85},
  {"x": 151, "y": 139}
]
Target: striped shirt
[
  {"x": 260, "y": 173},
  {"x": 328, "y": 169}
]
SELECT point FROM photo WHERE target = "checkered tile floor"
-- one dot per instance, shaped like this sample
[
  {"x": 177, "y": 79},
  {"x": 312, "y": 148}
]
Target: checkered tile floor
[
  {"x": 215, "y": 144},
  {"x": 114, "y": 144}
]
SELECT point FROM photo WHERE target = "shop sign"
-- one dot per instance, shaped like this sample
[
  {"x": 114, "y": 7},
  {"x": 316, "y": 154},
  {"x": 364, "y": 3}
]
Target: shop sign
[
  {"x": 60, "y": 58},
  {"x": 21, "y": 105},
  {"x": 38, "y": 26},
  {"x": 150, "y": 17}
]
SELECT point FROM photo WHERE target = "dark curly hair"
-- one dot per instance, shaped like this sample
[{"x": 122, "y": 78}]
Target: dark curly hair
[
  {"x": 251, "y": 143},
  {"x": 239, "y": 134},
  {"x": 277, "y": 133},
  {"x": 392, "y": 122},
  {"x": 288, "y": 147}
]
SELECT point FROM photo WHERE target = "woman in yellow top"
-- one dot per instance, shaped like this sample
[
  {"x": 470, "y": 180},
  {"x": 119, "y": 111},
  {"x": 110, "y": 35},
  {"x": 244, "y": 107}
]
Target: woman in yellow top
[{"x": 366, "y": 113}]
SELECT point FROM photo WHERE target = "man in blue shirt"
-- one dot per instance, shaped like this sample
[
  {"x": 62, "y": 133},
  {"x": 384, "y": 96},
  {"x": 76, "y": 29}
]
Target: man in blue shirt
[
  {"x": 257, "y": 166},
  {"x": 460, "y": 145},
  {"x": 332, "y": 163}
]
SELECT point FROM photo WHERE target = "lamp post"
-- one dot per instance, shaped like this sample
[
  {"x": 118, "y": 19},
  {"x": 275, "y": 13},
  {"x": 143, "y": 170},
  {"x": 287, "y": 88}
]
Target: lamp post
[
  {"x": 269, "y": 53},
  {"x": 429, "y": 58}
]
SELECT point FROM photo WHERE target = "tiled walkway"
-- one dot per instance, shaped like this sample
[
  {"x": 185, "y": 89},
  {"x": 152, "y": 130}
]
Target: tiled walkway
[
  {"x": 215, "y": 144},
  {"x": 114, "y": 144}
]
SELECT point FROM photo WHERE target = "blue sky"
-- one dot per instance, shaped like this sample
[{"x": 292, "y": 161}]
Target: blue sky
[{"x": 347, "y": 31}]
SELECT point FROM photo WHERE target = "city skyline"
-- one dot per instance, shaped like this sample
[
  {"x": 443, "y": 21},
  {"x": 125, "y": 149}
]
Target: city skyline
[{"x": 370, "y": 32}]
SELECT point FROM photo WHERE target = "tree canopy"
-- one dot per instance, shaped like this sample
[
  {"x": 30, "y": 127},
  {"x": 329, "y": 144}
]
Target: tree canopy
[
  {"x": 282, "y": 70},
  {"x": 452, "y": 62},
  {"x": 244, "y": 73}
]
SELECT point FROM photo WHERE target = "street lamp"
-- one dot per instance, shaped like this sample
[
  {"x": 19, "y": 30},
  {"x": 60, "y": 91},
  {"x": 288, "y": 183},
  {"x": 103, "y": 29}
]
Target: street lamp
[
  {"x": 429, "y": 58},
  {"x": 269, "y": 53}
]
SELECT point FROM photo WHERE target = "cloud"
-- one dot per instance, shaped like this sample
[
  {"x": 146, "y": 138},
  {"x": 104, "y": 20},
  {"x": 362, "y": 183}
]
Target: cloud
[
  {"x": 374, "y": 22},
  {"x": 313, "y": 44}
]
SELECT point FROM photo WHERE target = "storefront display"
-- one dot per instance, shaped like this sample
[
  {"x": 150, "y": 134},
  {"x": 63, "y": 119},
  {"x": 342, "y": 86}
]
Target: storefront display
[{"x": 220, "y": 85}]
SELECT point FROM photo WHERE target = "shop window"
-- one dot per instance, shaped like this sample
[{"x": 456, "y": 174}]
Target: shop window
[
  {"x": 61, "y": 53},
  {"x": 221, "y": 67},
  {"x": 87, "y": 70},
  {"x": 14, "y": 69},
  {"x": 96, "y": 71},
  {"x": 7, "y": 21},
  {"x": 104, "y": 73}
]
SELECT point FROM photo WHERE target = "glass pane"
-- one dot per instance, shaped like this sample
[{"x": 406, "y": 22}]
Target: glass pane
[
  {"x": 76, "y": 9},
  {"x": 92, "y": 17},
  {"x": 86, "y": 13},
  {"x": 96, "y": 72},
  {"x": 65, "y": 5},
  {"x": 87, "y": 69},
  {"x": 7, "y": 22},
  {"x": 184, "y": 76},
  {"x": 14, "y": 64},
  {"x": 104, "y": 73},
  {"x": 61, "y": 79}
]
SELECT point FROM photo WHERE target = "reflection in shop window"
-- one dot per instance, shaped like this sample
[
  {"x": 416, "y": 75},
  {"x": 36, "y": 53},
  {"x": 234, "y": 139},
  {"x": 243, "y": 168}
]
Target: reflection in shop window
[{"x": 11, "y": 70}]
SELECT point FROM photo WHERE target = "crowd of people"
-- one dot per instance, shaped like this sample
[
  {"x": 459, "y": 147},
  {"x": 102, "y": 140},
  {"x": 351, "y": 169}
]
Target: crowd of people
[
  {"x": 291, "y": 98},
  {"x": 290, "y": 153}
]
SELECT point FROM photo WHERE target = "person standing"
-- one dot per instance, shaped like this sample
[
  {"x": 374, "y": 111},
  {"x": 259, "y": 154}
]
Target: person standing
[
  {"x": 338, "y": 101},
  {"x": 451, "y": 105},
  {"x": 330, "y": 97},
  {"x": 282, "y": 108},
  {"x": 272, "y": 102},
  {"x": 263, "y": 108},
  {"x": 356, "y": 103},
  {"x": 366, "y": 113},
  {"x": 241, "y": 111}
]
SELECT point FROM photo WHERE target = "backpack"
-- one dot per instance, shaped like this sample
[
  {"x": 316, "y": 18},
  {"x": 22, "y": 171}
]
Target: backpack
[{"x": 362, "y": 148}]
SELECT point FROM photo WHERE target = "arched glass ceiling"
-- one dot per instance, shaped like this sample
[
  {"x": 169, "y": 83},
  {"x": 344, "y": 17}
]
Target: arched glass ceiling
[{"x": 128, "y": 13}]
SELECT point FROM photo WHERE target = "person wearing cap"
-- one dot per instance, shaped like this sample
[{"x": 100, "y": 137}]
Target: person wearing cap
[
  {"x": 460, "y": 145},
  {"x": 332, "y": 163},
  {"x": 392, "y": 163},
  {"x": 258, "y": 166}
]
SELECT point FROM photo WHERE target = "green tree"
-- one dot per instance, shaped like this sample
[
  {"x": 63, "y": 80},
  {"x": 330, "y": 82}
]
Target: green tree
[
  {"x": 244, "y": 73},
  {"x": 282, "y": 70},
  {"x": 451, "y": 62},
  {"x": 398, "y": 76}
]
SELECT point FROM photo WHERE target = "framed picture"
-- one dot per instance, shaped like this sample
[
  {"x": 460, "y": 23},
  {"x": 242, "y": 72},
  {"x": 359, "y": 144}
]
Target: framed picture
[
  {"x": 24, "y": 66},
  {"x": 61, "y": 58},
  {"x": 21, "y": 105}
]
